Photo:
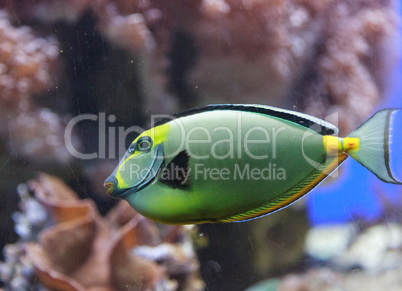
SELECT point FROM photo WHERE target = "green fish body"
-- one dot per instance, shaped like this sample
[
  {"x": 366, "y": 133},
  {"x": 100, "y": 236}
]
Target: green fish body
[{"x": 225, "y": 163}]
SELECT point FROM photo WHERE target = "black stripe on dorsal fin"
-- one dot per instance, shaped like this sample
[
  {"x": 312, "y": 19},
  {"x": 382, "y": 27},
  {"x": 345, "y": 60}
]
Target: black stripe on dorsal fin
[
  {"x": 176, "y": 174},
  {"x": 302, "y": 119}
]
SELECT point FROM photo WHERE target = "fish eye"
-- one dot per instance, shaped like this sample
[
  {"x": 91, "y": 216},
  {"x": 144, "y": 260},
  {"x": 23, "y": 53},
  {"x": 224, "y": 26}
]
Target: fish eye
[{"x": 144, "y": 144}]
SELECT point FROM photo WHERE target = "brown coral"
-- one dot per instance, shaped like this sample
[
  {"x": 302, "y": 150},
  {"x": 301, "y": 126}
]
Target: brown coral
[
  {"x": 352, "y": 65},
  {"x": 323, "y": 56},
  {"x": 37, "y": 136},
  {"x": 26, "y": 65},
  {"x": 253, "y": 50},
  {"x": 327, "y": 55},
  {"x": 84, "y": 251}
]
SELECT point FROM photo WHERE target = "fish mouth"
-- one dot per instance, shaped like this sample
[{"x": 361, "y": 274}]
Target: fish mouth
[
  {"x": 110, "y": 185},
  {"x": 157, "y": 165}
]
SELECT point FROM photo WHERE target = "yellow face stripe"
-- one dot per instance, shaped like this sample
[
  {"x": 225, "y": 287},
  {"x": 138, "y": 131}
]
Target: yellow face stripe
[
  {"x": 158, "y": 135},
  {"x": 292, "y": 195}
]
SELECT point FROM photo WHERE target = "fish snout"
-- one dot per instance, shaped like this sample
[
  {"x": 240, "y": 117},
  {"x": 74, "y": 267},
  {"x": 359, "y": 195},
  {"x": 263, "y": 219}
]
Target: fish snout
[{"x": 110, "y": 184}]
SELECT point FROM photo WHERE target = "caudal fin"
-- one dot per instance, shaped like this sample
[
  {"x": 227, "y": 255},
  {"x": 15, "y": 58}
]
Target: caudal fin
[{"x": 374, "y": 145}]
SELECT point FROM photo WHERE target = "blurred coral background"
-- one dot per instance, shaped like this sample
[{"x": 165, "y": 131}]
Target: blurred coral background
[{"x": 130, "y": 59}]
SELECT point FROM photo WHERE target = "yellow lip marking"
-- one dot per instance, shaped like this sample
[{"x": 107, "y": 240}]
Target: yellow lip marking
[{"x": 110, "y": 187}]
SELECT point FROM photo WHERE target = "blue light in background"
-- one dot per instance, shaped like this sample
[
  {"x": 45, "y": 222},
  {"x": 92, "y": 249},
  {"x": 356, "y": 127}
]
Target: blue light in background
[{"x": 356, "y": 193}]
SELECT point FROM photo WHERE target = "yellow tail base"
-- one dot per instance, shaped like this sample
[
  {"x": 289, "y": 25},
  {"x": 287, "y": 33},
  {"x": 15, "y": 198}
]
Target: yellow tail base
[{"x": 335, "y": 145}]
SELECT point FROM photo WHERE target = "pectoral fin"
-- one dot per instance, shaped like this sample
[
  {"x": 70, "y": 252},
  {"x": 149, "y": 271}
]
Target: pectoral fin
[{"x": 176, "y": 174}]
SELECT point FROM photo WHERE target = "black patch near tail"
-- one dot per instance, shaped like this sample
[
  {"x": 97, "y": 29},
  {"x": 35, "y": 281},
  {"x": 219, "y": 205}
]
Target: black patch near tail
[{"x": 176, "y": 173}]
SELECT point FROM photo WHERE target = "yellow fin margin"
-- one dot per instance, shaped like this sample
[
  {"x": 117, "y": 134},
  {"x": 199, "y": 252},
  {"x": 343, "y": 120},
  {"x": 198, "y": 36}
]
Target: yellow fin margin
[{"x": 293, "y": 194}]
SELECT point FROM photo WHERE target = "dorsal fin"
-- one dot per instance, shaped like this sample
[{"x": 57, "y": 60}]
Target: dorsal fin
[{"x": 302, "y": 119}]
